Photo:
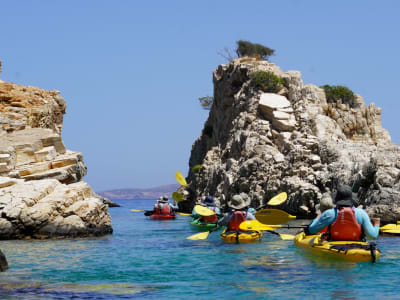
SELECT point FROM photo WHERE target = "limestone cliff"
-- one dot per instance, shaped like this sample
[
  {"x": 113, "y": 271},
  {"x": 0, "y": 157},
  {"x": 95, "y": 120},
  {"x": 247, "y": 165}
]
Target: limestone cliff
[
  {"x": 261, "y": 143},
  {"x": 41, "y": 192}
]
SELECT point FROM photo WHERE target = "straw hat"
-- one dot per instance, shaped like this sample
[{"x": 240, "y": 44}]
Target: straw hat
[
  {"x": 325, "y": 204},
  {"x": 239, "y": 201}
]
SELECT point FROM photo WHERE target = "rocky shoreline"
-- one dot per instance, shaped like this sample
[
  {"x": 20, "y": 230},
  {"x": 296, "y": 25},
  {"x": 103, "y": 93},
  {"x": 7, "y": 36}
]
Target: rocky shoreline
[
  {"x": 260, "y": 143},
  {"x": 42, "y": 194}
]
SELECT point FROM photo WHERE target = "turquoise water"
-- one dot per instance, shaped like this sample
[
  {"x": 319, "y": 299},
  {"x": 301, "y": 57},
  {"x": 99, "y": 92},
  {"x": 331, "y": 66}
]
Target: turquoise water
[{"x": 146, "y": 259}]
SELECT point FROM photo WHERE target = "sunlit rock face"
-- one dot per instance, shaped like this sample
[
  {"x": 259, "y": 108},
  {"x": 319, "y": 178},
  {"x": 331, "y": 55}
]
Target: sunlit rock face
[
  {"x": 261, "y": 143},
  {"x": 41, "y": 192}
]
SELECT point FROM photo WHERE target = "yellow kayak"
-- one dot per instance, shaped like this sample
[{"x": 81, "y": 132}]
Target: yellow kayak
[
  {"x": 241, "y": 236},
  {"x": 392, "y": 229},
  {"x": 344, "y": 250}
]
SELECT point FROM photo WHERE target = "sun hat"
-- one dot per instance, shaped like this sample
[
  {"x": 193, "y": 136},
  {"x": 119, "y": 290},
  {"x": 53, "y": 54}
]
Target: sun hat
[
  {"x": 239, "y": 201},
  {"x": 209, "y": 200},
  {"x": 163, "y": 199},
  {"x": 344, "y": 196},
  {"x": 324, "y": 204}
]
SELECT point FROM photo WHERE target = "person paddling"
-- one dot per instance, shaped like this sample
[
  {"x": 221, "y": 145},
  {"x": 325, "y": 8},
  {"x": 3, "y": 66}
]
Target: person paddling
[
  {"x": 239, "y": 205},
  {"x": 345, "y": 222},
  {"x": 209, "y": 203},
  {"x": 163, "y": 207}
]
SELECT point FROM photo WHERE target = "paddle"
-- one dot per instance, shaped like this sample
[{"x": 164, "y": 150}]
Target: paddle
[
  {"x": 179, "y": 177},
  {"x": 273, "y": 216},
  {"x": 178, "y": 197},
  {"x": 203, "y": 211},
  {"x": 146, "y": 212},
  {"x": 255, "y": 225},
  {"x": 183, "y": 214},
  {"x": 202, "y": 235},
  {"x": 278, "y": 199}
]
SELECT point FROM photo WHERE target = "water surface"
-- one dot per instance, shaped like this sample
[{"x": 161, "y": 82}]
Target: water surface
[{"x": 146, "y": 259}]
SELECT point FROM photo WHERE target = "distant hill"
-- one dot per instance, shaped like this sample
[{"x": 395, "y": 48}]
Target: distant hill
[{"x": 150, "y": 193}]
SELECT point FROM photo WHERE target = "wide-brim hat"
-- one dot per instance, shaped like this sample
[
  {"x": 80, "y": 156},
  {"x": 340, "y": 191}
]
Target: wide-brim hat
[
  {"x": 324, "y": 204},
  {"x": 163, "y": 199},
  {"x": 345, "y": 197},
  {"x": 209, "y": 200},
  {"x": 239, "y": 201}
]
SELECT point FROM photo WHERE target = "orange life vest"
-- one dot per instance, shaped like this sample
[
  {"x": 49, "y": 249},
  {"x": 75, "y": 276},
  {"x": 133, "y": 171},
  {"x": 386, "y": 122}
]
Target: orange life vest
[
  {"x": 165, "y": 209},
  {"x": 210, "y": 219},
  {"x": 237, "y": 218},
  {"x": 345, "y": 227}
]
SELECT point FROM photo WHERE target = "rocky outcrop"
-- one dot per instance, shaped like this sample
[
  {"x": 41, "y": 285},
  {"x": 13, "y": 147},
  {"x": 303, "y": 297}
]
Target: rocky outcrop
[
  {"x": 48, "y": 208},
  {"x": 41, "y": 192},
  {"x": 3, "y": 262},
  {"x": 295, "y": 141}
]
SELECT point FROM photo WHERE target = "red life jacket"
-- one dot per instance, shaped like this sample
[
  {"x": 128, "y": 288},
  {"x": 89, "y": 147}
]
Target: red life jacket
[
  {"x": 345, "y": 227},
  {"x": 237, "y": 218},
  {"x": 165, "y": 209},
  {"x": 210, "y": 219},
  {"x": 323, "y": 230}
]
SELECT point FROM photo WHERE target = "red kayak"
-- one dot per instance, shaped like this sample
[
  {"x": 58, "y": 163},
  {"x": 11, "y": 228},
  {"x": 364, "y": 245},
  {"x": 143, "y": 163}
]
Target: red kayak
[{"x": 162, "y": 217}]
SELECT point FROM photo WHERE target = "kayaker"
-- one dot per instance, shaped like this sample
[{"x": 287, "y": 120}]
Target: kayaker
[
  {"x": 239, "y": 213},
  {"x": 210, "y": 204},
  {"x": 163, "y": 207},
  {"x": 325, "y": 204},
  {"x": 346, "y": 223}
]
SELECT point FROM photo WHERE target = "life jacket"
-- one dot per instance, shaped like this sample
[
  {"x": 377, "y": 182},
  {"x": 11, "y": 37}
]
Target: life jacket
[
  {"x": 165, "y": 209},
  {"x": 345, "y": 227},
  {"x": 237, "y": 218},
  {"x": 323, "y": 230},
  {"x": 210, "y": 219}
]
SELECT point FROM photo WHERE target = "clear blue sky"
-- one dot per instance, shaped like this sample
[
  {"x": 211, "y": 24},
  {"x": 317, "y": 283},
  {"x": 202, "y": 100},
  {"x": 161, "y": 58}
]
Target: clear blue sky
[{"x": 132, "y": 71}]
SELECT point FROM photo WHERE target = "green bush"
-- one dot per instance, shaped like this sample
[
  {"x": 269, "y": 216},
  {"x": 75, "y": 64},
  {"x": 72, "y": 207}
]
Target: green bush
[
  {"x": 338, "y": 92},
  {"x": 206, "y": 102},
  {"x": 245, "y": 48},
  {"x": 197, "y": 168},
  {"x": 267, "y": 81}
]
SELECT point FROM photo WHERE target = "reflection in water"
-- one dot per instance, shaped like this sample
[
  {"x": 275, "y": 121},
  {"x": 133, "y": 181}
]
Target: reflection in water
[
  {"x": 146, "y": 259},
  {"x": 70, "y": 288}
]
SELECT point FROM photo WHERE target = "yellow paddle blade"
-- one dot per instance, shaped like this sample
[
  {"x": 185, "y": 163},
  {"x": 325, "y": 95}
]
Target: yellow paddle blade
[
  {"x": 179, "y": 177},
  {"x": 273, "y": 216},
  {"x": 203, "y": 211},
  {"x": 183, "y": 214},
  {"x": 391, "y": 231},
  {"x": 286, "y": 237},
  {"x": 178, "y": 197},
  {"x": 137, "y": 210},
  {"x": 199, "y": 236},
  {"x": 389, "y": 226},
  {"x": 254, "y": 225},
  {"x": 278, "y": 199}
]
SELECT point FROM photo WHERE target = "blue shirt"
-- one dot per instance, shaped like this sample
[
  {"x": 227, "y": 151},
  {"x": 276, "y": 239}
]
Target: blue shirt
[{"x": 329, "y": 216}]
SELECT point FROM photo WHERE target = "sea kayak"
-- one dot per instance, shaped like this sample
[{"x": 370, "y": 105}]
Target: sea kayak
[
  {"x": 344, "y": 250},
  {"x": 392, "y": 229},
  {"x": 162, "y": 217},
  {"x": 202, "y": 226},
  {"x": 241, "y": 236}
]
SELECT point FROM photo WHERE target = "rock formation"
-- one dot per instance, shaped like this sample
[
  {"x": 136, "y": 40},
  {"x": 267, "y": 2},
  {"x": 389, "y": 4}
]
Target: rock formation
[
  {"x": 41, "y": 192},
  {"x": 261, "y": 143}
]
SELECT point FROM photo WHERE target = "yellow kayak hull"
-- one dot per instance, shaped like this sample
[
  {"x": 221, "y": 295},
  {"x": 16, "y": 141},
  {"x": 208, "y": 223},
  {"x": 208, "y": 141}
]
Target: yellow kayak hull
[
  {"x": 355, "y": 252},
  {"x": 241, "y": 236}
]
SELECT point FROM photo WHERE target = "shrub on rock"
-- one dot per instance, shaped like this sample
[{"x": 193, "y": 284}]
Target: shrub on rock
[
  {"x": 335, "y": 93},
  {"x": 267, "y": 81},
  {"x": 246, "y": 48}
]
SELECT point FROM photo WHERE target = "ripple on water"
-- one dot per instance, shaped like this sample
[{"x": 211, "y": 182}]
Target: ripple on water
[{"x": 147, "y": 259}]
